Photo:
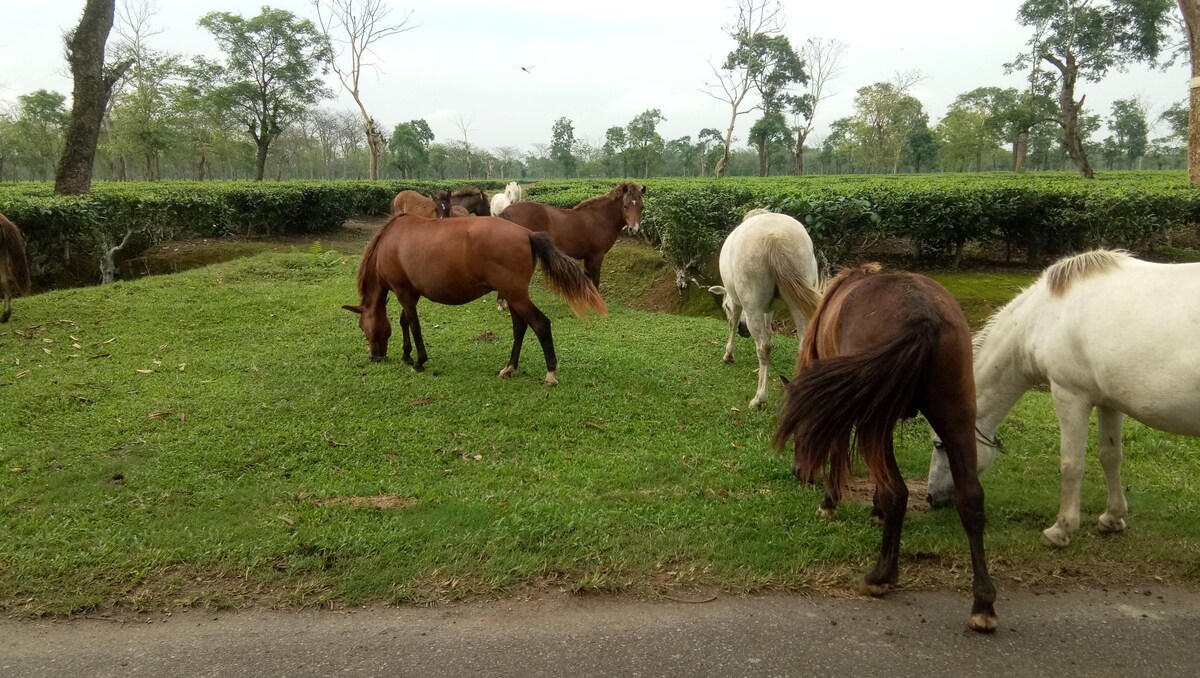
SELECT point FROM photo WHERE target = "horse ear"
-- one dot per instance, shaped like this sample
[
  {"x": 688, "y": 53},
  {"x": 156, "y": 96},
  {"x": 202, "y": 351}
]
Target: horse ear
[
  {"x": 355, "y": 309},
  {"x": 717, "y": 289},
  {"x": 643, "y": 187},
  {"x": 783, "y": 379}
]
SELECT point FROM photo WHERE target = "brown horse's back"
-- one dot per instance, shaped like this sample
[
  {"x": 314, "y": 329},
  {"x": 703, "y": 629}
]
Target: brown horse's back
[
  {"x": 455, "y": 260},
  {"x": 532, "y": 215},
  {"x": 411, "y": 202}
]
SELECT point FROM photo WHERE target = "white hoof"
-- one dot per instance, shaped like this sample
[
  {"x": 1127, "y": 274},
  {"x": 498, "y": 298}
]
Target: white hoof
[
  {"x": 1110, "y": 524},
  {"x": 757, "y": 403},
  {"x": 506, "y": 372},
  {"x": 550, "y": 379},
  {"x": 826, "y": 513},
  {"x": 1056, "y": 537}
]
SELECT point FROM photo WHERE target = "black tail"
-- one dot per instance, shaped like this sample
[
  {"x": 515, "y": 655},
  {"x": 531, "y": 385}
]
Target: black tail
[
  {"x": 565, "y": 277},
  {"x": 12, "y": 246},
  {"x": 868, "y": 392}
]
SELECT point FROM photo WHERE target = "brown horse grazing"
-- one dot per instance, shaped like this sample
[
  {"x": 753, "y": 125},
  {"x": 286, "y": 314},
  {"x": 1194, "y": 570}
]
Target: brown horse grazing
[
  {"x": 588, "y": 230},
  {"x": 14, "y": 267},
  {"x": 880, "y": 348},
  {"x": 473, "y": 200},
  {"x": 455, "y": 261},
  {"x": 443, "y": 206}
]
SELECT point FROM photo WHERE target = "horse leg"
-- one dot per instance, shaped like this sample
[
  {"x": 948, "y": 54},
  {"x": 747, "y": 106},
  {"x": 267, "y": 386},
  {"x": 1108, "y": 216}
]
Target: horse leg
[
  {"x": 407, "y": 357},
  {"x": 1109, "y": 427},
  {"x": 519, "y": 327},
  {"x": 959, "y": 444},
  {"x": 734, "y": 313},
  {"x": 501, "y": 304},
  {"x": 410, "y": 312},
  {"x": 541, "y": 327},
  {"x": 892, "y": 496},
  {"x": 760, "y": 329},
  {"x": 1073, "y": 413},
  {"x": 833, "y": 493},
  {"x": 592, "y": 265},
  {"x": 7, "y": 294}
]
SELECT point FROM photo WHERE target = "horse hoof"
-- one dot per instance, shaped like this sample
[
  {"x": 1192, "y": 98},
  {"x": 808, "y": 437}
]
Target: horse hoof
[
  {"x": 1110, "y": 525},
  {"x": 877, "y": 520},
  {"x": 728, "y": 358},
  {"x": 983, "y": 623},
  {"x": 419, "y": 367},
  {"x": 506, "y": 373},
  {"x": 1055, "y": 537},
  {"x": 757, "y": 404},
  {"x": 873, "y": 590},
  {"x": 827, "y": 512},
  {"x": 377, "y": 358},
  {"x": 550, "y": 379}
]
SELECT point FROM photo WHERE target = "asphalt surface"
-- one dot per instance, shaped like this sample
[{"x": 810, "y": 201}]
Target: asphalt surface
[{"x": 1132, "y": 631}]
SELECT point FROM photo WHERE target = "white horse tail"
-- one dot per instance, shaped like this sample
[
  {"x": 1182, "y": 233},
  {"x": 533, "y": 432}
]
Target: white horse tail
[{"x": 785, "y": 261}]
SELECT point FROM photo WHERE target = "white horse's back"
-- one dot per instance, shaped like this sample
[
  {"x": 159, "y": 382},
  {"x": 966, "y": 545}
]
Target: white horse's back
[{"x": 499, "y": 202}]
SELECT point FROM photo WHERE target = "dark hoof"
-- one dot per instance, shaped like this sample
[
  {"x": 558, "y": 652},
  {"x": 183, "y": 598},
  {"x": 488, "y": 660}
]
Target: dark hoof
[
  {"x": 419, "y": 367},
  {"x": 378, "y": 358}
]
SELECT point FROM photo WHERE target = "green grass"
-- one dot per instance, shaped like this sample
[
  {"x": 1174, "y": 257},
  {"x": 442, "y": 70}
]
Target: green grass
[{"x": 220, "y": 477}]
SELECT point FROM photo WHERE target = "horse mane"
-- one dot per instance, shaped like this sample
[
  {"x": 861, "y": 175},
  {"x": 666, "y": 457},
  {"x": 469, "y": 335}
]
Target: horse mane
[
  {"x": 756, "y": 212},
  {"x": 464, "y": 192},
  {"x": 368, "y": 260},
  {"x": 606, "y": 197},
  {"x": 1062, "y": 273}
]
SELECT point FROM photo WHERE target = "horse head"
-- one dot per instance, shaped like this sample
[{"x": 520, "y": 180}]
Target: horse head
[
  {"x": 375, "y": 327},
  {"x": 441, "y": 204},
  {"x": 513, "y": 191},
  {"x": 631, "y": 205}
]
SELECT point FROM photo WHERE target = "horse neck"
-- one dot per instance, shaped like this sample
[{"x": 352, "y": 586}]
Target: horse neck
[
  {"x": 606, "y": 212},
  {"x": 1003, "y": 368}
]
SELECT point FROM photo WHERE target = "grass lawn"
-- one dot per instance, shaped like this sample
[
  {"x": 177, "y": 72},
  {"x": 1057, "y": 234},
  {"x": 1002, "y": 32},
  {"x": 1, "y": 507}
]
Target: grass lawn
[{"x": 219, "y": 437}]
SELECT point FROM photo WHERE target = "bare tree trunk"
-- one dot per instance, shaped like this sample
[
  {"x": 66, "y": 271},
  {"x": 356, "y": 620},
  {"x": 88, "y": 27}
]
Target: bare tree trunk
[
  {"x": 723, "y": 163},
  {"x": 1069, "y": 110},
  {"x": 260, "y": 161},
  {"x": 1191, "y": 18},
  {"x": 798, "y": 153},
  {"x": 1020, "y": 151},
  {"x": 93, "y": 86},
  {"x": 108, "y": 268}
]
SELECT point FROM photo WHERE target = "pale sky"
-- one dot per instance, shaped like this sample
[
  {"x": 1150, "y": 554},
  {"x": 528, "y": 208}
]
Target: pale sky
[{"x": 602, "y": 63}]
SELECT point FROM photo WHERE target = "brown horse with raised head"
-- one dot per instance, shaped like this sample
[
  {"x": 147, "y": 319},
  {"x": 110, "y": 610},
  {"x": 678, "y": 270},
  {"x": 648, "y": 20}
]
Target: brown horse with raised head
[
  {"x": 454, "y": 261},
  {"x": 14, "y": 266},
  {"x": 880, "y": 348},
  {"x": 473, "y": 200},
  {"x": 411, "y": 202},
  {"x": 588, "y": 230}
]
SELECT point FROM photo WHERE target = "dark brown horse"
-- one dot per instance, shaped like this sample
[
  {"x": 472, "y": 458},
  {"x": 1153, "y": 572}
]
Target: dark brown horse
[
  {"x": 473, "y": 200},
  {"x": 454, "y": 261},
  {"x": 14, "y": 267},
  {"x": 588, "y": 230},
  {"x": 880, "y": 348}
]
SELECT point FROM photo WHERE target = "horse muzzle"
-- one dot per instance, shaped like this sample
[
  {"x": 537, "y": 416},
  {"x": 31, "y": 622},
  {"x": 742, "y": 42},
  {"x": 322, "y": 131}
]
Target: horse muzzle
[
  {"x": 938, "y": 502},
  {"x": 634, "y": 227}
]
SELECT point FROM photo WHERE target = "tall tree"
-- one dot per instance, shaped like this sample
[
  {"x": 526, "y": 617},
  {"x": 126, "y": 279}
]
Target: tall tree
[
  {"x": 562, "y": 145},
  {"x": 708, "y": 142},
  {"x": 94, "y": 81},
  {"x": 645, "y": 143},
  {"x": 1191, "y": 20},
  {"x": 1087, "y": 39},
  {"x": 736, "y": 77},
  {"x": 410, "y": 147},
  {"x": 41, "y": 119},
  {"x": 885, "y": 114},
  {"x": 143, "y": 115},
  {"x": 1131, "y": 133},
  {"x": 771, "y": 130},
  {"x": 354, "y": 26},
  {"x": 823, "y": 59},
  {"x": 269, "y": 74},
  {"x": 615, "y": 150}
]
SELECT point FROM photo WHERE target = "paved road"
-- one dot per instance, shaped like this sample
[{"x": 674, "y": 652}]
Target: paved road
[{"x": 1122, "y": 632}]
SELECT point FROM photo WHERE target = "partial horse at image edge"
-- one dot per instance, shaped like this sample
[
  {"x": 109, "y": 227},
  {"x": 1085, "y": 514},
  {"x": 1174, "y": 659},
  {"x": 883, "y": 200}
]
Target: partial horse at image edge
[
  {"x": 14, "y": 265},
  {"x": 883, "y": 347}
]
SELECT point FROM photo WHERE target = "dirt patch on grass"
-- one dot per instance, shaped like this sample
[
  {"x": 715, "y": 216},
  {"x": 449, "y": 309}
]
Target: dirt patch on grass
[
  {"x": 379, "y": 501},
  {"x": 862, "y": 491}
]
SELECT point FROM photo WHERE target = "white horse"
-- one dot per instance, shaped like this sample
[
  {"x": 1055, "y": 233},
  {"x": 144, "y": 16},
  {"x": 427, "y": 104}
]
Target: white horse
[
  {"x": 512, "y": 193},
  {"x": 1105, "y": 331},
  {"x": 768, "y": 255}
]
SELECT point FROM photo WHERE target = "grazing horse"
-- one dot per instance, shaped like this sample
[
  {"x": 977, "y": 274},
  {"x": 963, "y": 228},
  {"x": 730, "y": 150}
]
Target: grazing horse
[
  {"x": 14, "y": 267},
  {"x": 588, "y": 230},
  {"x": 1105, "y": 331},
  {"x": 512, "y": 193},
  {"x": 769, "y": 255},
  {"x": 411, "y": 202},
  {"x": 454, "y": 261},
  {"x": 473, "y": 200},
  {"x": 882, "y": 347}
]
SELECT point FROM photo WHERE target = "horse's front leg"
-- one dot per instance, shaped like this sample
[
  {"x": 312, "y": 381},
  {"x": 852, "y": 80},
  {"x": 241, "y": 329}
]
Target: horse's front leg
[
  {"x": 1110, "y": 424},
  {"x": 406, "y": 358},
  {"x": 7, "y": 299},
  {"x": 414, "y": 324},
  {"x": 1073, "y": 411}
]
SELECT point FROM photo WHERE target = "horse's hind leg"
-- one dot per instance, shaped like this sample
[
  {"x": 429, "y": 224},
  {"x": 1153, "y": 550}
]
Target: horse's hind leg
[
  {"x": 733, "y": 313},
  {"x": 541, "y": 327},
  {"x": 7, "y": 296},
  {"x": 892, "y": 496},
  {"x": 760, "y": 329},
  {"x": 959, "y": 441},
  {"x": 519, "y": 327},
  {"x": 833, "y": 492},
  {"x": 1110, "y": 424}
]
